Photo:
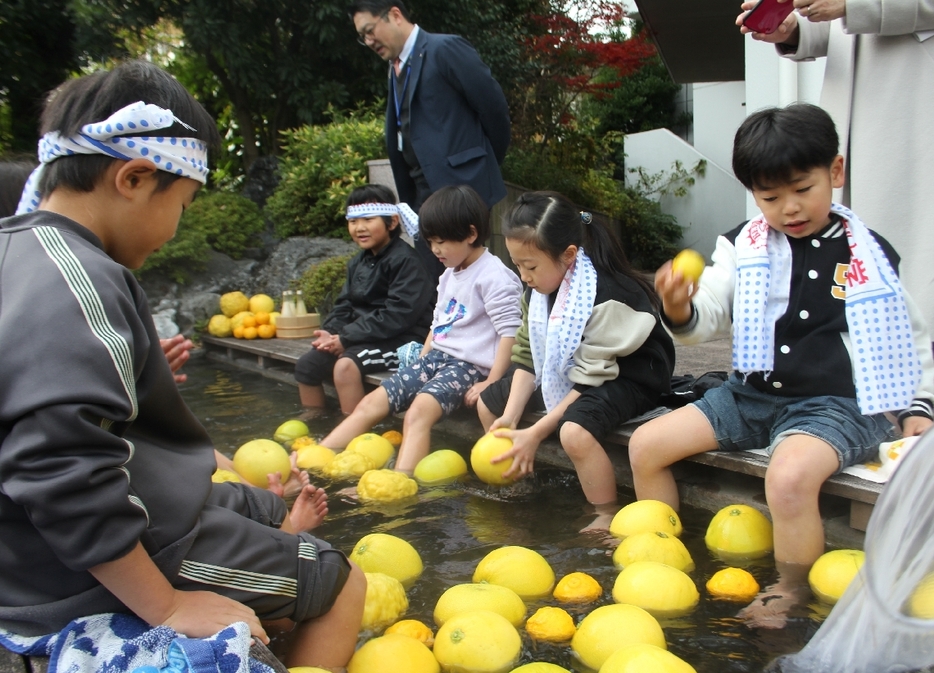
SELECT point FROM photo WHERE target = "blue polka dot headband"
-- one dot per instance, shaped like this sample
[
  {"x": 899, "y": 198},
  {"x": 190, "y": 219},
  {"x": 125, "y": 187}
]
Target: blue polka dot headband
[
  {"x": 187, "y": 157},
  {"x": 408, "y": 216}
]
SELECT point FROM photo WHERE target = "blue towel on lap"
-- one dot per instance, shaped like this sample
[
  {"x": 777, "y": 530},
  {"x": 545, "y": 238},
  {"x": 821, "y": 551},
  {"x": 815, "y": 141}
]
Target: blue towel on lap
[{"x": 120, "y": 643}]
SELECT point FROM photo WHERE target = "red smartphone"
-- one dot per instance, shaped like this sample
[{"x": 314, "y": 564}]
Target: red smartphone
[{"x": 768, "y": 15}]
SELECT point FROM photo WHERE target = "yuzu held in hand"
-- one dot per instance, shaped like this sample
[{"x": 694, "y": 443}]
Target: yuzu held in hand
[{"x": 487, "y": 448}]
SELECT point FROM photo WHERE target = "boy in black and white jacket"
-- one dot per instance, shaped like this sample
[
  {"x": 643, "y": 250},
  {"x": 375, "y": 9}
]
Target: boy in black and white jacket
[{"x": 825, "y": 342}]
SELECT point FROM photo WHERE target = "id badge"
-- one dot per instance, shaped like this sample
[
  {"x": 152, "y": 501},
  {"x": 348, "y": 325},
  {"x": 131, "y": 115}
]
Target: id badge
[{"x": 399, "y": 139}]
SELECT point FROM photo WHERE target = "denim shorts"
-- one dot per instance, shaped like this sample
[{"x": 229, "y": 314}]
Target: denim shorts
[
  {"x": 745, "y": 418},
  {"x": 443, "y": 376}
]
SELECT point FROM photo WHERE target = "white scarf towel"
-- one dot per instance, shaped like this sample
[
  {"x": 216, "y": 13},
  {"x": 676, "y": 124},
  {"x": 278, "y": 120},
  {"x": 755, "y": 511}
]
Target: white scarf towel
[
  {"x": 187, "y": 157},
  {"x": 886, "y": 368},
  {"x": 554, "y": 337},
  {"x": 407, "y": 216}
]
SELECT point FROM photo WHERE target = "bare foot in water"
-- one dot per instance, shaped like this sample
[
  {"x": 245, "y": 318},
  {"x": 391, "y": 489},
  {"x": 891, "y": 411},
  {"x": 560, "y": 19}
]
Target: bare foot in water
[
  {"x": 298, "y": 479},
  {"x": 769, "y": 610},
  {"x": 604, "y": 517},
  {"x": 309, "y": 510}
]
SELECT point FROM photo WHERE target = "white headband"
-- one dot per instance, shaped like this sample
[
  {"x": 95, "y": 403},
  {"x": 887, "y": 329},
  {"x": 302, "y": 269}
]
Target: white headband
[
  {"x": 408, "y": 216},
  {"x": 187, "y": 157}
]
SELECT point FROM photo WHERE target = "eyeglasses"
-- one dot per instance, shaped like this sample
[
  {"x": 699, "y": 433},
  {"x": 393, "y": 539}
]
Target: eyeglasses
[{"x": 367, "y": 32}]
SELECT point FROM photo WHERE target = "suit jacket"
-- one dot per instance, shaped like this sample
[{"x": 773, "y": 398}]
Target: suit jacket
[{"x": 458, "y": 117}]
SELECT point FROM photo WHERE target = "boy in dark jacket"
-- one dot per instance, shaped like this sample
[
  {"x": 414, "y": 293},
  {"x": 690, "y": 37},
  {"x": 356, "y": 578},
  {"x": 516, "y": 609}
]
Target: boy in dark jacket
[
  {"x": 385, "y": 303},
  {"x": 106, "y": 499}
]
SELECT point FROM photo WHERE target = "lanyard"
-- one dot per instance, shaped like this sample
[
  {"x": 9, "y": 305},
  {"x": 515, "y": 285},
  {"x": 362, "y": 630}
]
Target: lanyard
[{"x": 398, "y": 102}]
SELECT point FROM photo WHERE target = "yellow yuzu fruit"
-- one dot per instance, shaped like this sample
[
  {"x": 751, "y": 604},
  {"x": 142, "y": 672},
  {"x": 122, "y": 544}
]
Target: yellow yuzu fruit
[
  {"x": 376, "y": 448},
  {"x": 413, "y": 629},
  {"x": 551, "y": 624},
  {"x": 393, "y": 653},
  {"x": 611, "y": 627},
  {"x": 237, "y": 320},
  {"x": 313, "y": 456},
  {"x": 301, "y": 442},
  {"x": 345, "y": 465},
  {"x": 539, "y": 667},
  {"x": 385, "y": 486},
  {"x": 219, "y": 326},
  {"x": 261, "y": 318},
  {"x": 387, "y": 554},
  {"x": 467, "y": 597},
  {"x": 261, "y": 303},
  {"x": 645, "y": 516},
  {"x": 832, "y": 573},
  {"x": 645, "y": 658},
  {"x": 689, "y": 263},
  {"x": 921, "y": 602},
  {"x": 273, "y": 317},
  {"x": 266, "y": 331},
  {"x": 440, "y": 467},
  {"x": 733, "y": 584},
  {"x": 478, "y": 641},
  {"x": 739, "y": 532},
  {"x": 655, "y": 546},
  {"x": 577, "y": 588},
  {"x": 237, "y": 332},
  {"x": 249, "y": 321},
  {"x": 394, "y": 437},
  {"x": 487, "y": 448},
  {"x": 657, "y": 588},
  {"x": 260, "y": 457},
  {"x": 250, "y": 333},
  {"x": 521, "y": 569},
  {"x": 233, "y": 303},
  {"x": 385, "y": 601},
  {"x": 220, "y": 476},
  {"x": 290, "y": 431}
]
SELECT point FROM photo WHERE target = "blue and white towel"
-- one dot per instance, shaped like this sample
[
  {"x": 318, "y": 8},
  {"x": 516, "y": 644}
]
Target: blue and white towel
[
  {"x": 554, "y": 337},
  {"x": 121, "y": 643}
]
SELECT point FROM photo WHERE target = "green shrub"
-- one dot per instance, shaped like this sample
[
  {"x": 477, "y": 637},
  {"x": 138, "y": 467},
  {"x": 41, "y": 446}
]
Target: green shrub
[
  {"x": 321, "y": 165},
  {"x": 224, "y": 221},
  {"x": 322, "y": 283}
]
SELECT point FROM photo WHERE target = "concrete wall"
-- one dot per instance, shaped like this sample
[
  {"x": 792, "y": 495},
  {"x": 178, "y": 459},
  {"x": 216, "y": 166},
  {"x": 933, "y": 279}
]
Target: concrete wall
[
  {"x": 719, "y": 109},
  {"x": 712, "y": 206}
]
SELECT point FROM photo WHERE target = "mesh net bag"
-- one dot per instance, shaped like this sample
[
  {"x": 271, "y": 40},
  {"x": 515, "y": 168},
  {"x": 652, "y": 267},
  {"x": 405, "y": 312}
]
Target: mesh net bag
[{"x": 870, "y": 629}]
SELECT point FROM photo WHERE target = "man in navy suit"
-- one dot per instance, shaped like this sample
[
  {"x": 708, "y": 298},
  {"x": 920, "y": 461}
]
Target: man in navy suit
[{"x": 447, "y": 122}]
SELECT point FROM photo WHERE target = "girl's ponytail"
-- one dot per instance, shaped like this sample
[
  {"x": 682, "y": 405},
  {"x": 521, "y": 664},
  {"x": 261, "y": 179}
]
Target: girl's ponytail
[{"x": 607, "y": 254}]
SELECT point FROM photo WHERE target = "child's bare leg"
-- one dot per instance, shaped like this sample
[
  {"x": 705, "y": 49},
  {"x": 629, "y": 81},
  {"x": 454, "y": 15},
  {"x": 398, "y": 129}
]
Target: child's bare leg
[
  {"x": 349, "y": 383},
  {"x": 799, "y": 465},
  {"x": 486, "y": 416},
  {"x": 655, "y": 446},
  {"x": 593, "y": 466},
  {"x": 328, "y": 641},
  {"x": 312, "y": 397},
  {"x": 416, "y": 431},
  {"x": 371, "y": 410}
]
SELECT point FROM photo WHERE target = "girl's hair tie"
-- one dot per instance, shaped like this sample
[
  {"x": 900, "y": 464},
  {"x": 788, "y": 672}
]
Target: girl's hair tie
[{"x": 586, "y": 217}]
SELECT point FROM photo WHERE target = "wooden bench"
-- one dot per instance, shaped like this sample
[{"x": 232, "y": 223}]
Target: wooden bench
[{"x": 276, "y": 358}]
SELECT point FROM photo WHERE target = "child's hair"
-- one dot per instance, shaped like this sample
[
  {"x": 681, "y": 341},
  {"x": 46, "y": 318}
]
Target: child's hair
[
  {"x": 96, "y": 97},
  {"x": 377, "y": 7},
  {"x": 551, "y": 223},
  {"x": 13, "y": 176},
  {"x": 449, "y": 213},
  {"x": 772, "y": 144},
  {"x": 373, "y": 193}
]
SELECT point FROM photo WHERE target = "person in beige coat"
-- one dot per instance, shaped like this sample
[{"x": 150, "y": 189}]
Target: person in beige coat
[{"x": 879, "y": 90}]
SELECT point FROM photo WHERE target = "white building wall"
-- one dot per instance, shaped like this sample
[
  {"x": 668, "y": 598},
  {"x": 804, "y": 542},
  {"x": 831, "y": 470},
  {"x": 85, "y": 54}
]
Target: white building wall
[{"x": 719, "y": 109}]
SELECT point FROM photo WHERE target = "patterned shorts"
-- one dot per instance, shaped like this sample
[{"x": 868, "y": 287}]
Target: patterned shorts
[{"x": 444, "y": 377}]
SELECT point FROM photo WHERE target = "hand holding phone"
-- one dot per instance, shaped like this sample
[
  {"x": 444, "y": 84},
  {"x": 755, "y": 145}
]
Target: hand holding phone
[{"x": 768, "y": 15}]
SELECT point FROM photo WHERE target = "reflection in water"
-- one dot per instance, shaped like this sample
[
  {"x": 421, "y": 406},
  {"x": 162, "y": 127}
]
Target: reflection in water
[{"x": 453, "y": 527}]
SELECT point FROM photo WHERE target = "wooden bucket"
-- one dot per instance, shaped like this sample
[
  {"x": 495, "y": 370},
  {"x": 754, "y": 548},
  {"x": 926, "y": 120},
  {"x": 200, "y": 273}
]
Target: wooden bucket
[{"x": 297, "y": 327}]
